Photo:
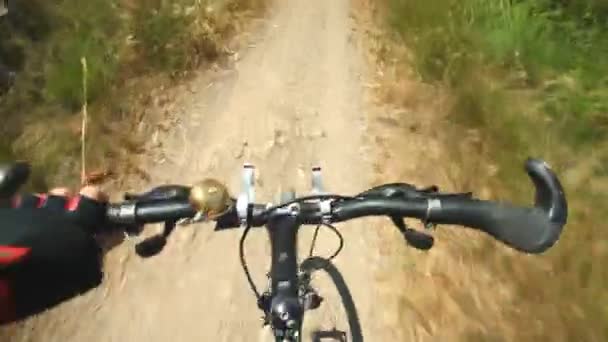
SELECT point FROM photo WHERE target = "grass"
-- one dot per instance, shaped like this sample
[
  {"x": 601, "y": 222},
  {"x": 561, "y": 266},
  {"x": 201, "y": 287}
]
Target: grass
[
  {"x": 124, "y": 42},
  {"x": 531, "y": 77}
]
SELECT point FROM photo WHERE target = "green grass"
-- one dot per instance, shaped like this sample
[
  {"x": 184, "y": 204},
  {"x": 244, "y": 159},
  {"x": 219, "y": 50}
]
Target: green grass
[
  {"x": 95, "y": 31},
  {"x": 532, "y": 77},
  {"x": 161, "y": 30}
]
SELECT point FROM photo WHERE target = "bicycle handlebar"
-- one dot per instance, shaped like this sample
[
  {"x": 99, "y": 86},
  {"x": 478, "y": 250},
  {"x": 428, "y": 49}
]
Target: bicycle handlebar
[
  {"x": 530, "y": 230},
  {"x": 130, "y": 213}
]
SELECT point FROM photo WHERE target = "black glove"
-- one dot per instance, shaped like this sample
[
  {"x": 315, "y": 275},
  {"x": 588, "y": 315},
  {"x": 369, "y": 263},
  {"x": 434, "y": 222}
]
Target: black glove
[{"x": 47, "y": 252}]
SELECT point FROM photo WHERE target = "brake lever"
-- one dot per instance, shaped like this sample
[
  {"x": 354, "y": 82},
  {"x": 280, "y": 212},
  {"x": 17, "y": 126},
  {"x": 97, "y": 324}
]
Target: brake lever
[
  {"x": 392, "y": 190},
  {"x": 154, "y": 245},
  {"x": 409, "y": 191},
  {"x": 414, "y": 238}
]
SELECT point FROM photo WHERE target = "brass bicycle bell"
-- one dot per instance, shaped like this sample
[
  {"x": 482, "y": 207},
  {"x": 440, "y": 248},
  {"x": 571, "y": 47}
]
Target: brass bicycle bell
[{"x": 210, "y": 198}]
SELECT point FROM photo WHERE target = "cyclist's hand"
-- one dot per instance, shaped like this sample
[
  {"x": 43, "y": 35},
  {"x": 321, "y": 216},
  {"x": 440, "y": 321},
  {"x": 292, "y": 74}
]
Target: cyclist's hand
[
  {"x": 91, "y": 192},
  {"x": 47, "y": 249},
  {"x": 85, "y": 209}
]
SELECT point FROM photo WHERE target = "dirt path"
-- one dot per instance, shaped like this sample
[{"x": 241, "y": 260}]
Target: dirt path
[{"x": 292, "y": 101}]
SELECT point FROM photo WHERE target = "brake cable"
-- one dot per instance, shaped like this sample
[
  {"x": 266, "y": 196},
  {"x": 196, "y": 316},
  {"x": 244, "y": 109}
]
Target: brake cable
[
  {"x": 333, "y": 229},
  {"x": 244, "y": 262}
]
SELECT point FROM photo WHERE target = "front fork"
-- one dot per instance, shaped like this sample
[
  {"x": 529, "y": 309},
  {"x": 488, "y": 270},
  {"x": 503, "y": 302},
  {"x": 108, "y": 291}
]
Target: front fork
[{"x": 309, "y": 298}]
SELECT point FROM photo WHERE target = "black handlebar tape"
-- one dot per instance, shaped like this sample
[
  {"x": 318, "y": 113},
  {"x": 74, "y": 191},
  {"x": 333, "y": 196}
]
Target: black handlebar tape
[
  {"x": 149, "y": 212},
  {"x": 525, "y": 229},
  {"x": 164, "y": 211},
  {"x": 350, "y": 209},
  {"x": 550, "y": 195},
  {"x": 531, "y": 230}
]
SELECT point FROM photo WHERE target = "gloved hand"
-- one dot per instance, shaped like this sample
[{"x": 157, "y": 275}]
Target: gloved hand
[{"x": 48, "y": 252}]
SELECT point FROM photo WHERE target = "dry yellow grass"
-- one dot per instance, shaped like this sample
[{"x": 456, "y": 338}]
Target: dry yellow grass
[{"x": 468, "y": 287}]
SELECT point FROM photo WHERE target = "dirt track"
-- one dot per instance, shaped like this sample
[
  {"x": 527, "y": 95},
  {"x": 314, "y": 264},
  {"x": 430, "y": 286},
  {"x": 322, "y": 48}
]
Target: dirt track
[{"x": 292, "y": 100}]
